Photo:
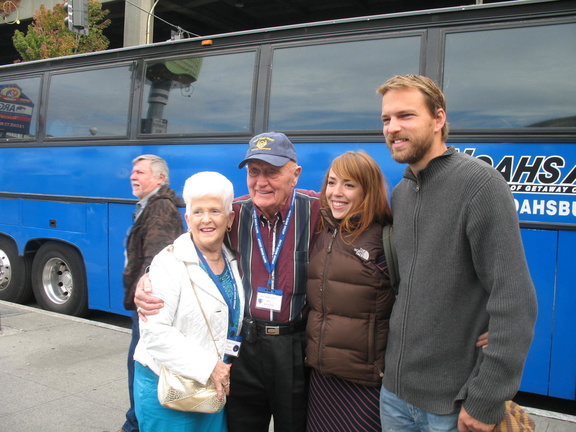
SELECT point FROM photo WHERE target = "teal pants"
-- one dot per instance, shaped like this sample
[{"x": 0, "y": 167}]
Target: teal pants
[{"x": 153, "y": 417}]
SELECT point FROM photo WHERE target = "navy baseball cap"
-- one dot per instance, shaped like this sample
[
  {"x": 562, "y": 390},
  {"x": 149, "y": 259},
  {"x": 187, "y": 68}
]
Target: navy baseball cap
[{"x": 272, "y": 147}]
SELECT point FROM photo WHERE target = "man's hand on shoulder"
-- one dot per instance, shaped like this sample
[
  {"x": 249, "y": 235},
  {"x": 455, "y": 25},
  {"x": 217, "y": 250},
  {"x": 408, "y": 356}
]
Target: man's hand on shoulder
[
  {"x": 146, "y": 303},
  {"x": 467, "y": 423}
]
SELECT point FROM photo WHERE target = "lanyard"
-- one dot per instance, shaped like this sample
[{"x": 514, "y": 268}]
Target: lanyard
[
  {"x": 270, "y": 265},
  {"x": 231, "y": 302}
]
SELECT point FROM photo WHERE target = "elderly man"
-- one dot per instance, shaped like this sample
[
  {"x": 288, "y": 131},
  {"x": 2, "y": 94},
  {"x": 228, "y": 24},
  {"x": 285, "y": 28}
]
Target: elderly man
[
  {"x": 157, "y": 222},
  {"x": 273, "y": 231}
]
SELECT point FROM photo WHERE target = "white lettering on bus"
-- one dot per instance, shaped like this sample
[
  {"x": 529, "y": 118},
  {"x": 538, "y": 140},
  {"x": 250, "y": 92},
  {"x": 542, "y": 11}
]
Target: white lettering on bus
[
  {"x": 546, "y": 207},
  {"x": 530, "y": 169}
]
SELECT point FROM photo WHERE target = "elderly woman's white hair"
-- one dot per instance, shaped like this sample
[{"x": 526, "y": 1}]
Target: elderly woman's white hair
[{"x": 209, "y": 183}]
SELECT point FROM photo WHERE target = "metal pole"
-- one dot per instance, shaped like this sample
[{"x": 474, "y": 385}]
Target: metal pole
[{"x": 148, "y": 23}]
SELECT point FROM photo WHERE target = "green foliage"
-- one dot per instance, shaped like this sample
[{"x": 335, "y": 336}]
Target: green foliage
[{"x": 48, "y": 36}]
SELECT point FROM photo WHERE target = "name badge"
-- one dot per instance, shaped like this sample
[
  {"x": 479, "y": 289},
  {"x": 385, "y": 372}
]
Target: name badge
[
  {"x": 269, "y": 299},
  {"x": 233, "y": 346}
]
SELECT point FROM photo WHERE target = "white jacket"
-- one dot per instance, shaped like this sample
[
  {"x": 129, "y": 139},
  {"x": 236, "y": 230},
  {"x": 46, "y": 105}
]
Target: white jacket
[{"x": 177, "y": 336}]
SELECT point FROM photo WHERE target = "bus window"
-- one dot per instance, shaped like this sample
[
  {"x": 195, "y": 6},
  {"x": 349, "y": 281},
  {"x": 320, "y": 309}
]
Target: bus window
[
  {"x": 19, "y": 107},
  {"x": 333, "y": 86},
  {"x": 511, "y": 78},
  {"x": 89, "y": 103},
  {"x": 198, "y": 95}
]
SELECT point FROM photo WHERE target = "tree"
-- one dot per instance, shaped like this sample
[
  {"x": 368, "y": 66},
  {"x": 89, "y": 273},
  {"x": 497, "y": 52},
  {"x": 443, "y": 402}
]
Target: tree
[{"x": 48, "y": 36}]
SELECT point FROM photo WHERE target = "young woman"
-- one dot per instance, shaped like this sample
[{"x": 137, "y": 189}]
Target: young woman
[{"x": 350, "y": 298}]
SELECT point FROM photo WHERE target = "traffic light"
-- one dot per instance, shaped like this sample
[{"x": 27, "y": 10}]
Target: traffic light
[
  {"x": 77, "y": 18},
  {"x": 70, "y": 11}
]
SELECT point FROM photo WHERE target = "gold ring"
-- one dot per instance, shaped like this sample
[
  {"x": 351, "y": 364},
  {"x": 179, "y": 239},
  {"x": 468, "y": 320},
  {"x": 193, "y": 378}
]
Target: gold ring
[{"x": 138, "y": 309}]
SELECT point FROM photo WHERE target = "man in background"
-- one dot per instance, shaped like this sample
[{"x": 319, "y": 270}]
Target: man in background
[{"x": 156, "y": 223}]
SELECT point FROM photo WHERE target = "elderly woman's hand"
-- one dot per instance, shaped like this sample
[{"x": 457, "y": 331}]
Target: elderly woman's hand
[
  {"x": 146, "y": 304},
  {"x": 482, "y": 341},
  {"x": 221, "y": 378}
]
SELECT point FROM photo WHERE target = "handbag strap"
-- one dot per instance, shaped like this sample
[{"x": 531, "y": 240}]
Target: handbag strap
[{"x": 203, "y": 313}]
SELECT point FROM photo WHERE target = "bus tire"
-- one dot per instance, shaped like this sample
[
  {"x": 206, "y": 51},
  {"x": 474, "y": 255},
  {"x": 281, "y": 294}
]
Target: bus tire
[
  {"x": 59, "y": 279},
  {"x": 15, "y": 284}
]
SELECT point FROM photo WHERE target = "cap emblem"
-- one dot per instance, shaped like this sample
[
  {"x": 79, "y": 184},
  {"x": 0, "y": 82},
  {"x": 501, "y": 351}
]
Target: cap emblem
[{"x": 262, "y": 142}]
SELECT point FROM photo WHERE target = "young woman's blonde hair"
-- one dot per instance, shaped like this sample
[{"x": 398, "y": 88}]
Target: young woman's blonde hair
[{"x": 363, "y": 169}]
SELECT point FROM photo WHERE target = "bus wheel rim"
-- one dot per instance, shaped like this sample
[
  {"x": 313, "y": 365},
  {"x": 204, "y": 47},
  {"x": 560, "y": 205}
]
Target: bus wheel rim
[
  {"x": 5, "y": 270},
  {"x": 57, "y": 281}
]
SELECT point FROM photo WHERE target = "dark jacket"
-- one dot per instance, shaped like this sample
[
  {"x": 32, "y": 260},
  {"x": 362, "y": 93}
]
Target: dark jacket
[
  {"x": 159, "y": 224},
  {"x": 350, "y": 303}
]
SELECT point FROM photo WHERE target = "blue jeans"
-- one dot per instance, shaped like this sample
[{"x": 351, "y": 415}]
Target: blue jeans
[
  {"x": 398, "y": 415},
  {"x": 131, "y": 424}
]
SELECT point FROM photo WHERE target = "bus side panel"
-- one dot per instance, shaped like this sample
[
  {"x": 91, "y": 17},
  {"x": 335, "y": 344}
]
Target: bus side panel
[
  {"x": 54, "y": 215},
  {"x": 315, "y": 160},
  {"x": 540, "y": 247},
  {"x": 10, "y": 213},
  {"x": 120, "y": 221},
  {"x": 83, "y": 226},
  {"x": 563, "y": 364},
  {"x": 95, "y": 250}
]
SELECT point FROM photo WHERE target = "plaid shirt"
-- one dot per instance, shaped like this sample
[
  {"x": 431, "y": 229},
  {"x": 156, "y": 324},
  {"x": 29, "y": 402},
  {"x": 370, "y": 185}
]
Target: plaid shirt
[{"x": 291, "y": 268}]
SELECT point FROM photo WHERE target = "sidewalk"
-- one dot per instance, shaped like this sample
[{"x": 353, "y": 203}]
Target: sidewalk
[
  {"x": 547, "y": 421},
  {"x": 60, "y": 373},
  {"x": 66, "y": 374}
]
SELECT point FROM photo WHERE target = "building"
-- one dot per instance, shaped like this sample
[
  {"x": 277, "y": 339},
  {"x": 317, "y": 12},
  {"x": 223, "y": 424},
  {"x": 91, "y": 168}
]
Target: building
[{"x": 131, "y": 24}]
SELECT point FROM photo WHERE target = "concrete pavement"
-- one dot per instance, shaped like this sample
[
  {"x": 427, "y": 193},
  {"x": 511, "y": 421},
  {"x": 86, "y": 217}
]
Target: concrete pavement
[{"x": 60, "y": 373}]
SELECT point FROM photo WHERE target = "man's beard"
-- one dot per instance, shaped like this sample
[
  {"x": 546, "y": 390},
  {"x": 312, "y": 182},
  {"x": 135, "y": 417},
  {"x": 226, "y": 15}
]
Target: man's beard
[{"x": 417, "y": 149}]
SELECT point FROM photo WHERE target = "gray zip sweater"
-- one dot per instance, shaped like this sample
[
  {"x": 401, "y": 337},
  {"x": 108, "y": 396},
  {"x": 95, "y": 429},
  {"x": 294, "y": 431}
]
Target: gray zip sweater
[{"x": 462, "y": 272}]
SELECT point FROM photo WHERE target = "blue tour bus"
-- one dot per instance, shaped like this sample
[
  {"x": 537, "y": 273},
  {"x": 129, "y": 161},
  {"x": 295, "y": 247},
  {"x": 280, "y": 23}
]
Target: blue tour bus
[{"x": 70, "y": 127}]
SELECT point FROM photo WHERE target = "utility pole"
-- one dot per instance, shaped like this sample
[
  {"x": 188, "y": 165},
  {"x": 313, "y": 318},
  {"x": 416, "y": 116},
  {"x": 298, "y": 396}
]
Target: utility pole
[{"x": 137, "y": 27}]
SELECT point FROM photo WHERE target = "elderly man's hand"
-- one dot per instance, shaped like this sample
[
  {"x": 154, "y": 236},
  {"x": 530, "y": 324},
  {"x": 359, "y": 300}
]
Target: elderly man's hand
[{"x": 146, "y": 303}]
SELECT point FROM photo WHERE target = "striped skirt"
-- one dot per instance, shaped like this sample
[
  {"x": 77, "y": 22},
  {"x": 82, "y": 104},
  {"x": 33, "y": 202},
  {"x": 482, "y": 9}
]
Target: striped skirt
[{"x": 337, "y": 405}]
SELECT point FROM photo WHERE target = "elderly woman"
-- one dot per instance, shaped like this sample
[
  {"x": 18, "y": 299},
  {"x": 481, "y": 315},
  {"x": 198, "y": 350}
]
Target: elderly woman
[{"x": 197, "y": 278}]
